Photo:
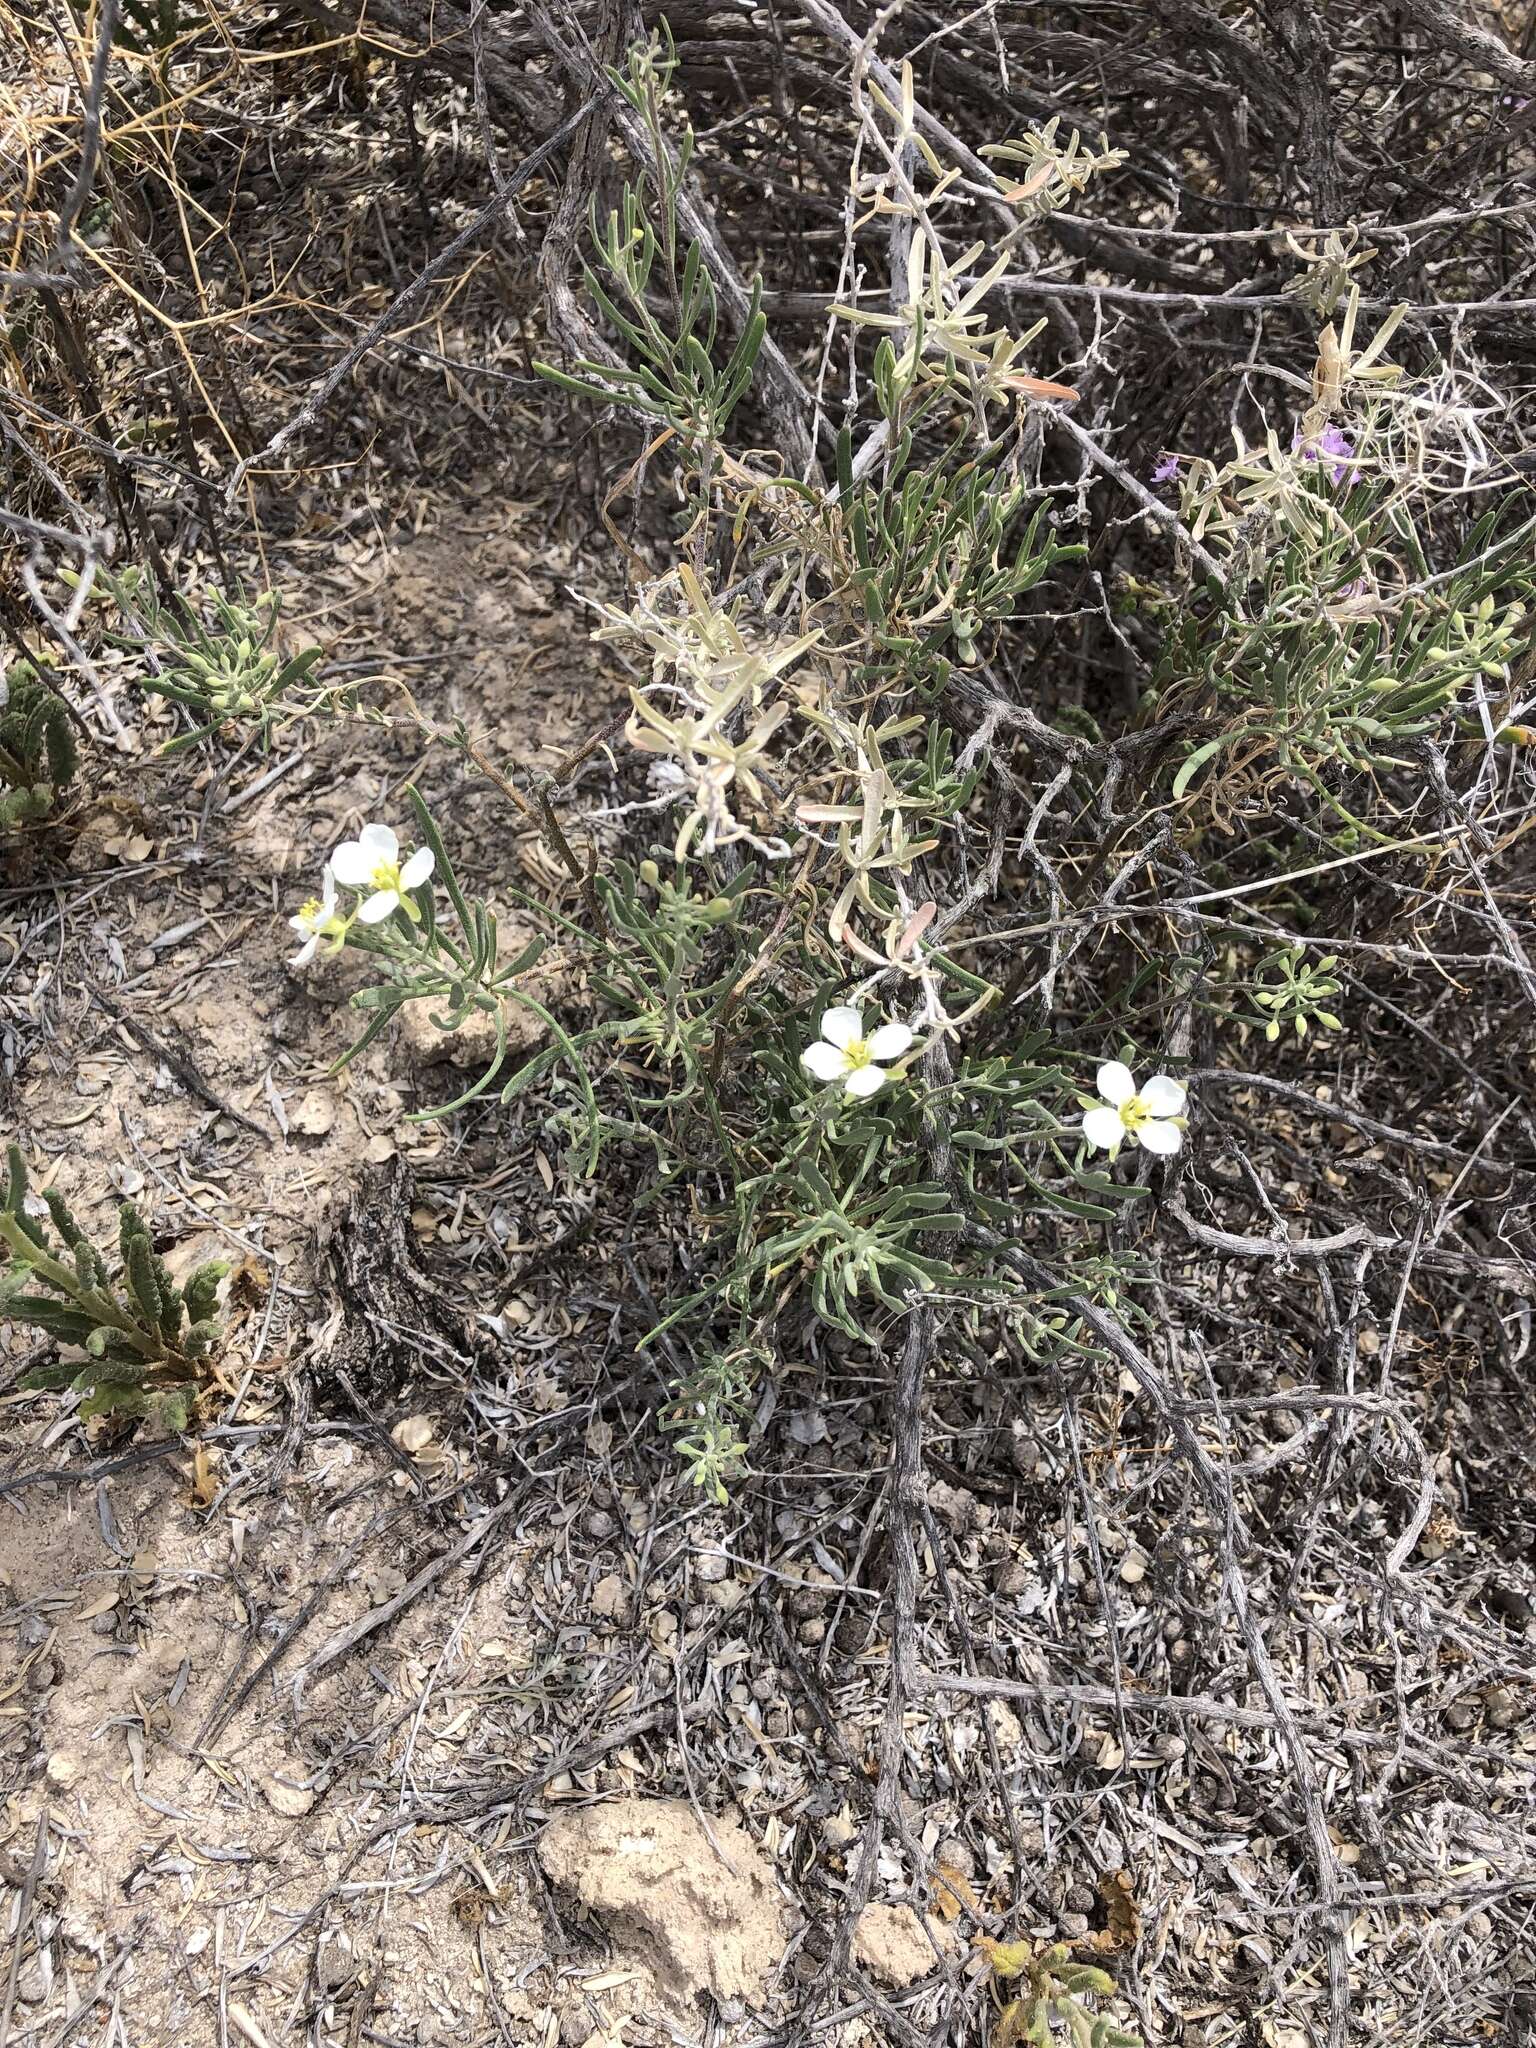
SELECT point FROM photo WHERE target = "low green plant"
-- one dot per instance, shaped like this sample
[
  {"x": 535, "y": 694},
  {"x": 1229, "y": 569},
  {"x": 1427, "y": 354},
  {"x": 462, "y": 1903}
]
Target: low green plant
[
  {"x": 937, "y": 552},
  {"x": 226, "y": 668},
  {"x": 863, "y": 1247},
  {"x": 1293, "y": 995},
  {"x": 454, "y": 964},
  {"x": 640, "y": 266},
  {"x": 1328, "y": 652},
  {"x": 1054, "y": 1992},
  {"x": 146, "y": 1342},
  {"x": 707, "y": 1413},
  {"x": 1342, "y": 653},
  {"x": 38, "y": 755}
]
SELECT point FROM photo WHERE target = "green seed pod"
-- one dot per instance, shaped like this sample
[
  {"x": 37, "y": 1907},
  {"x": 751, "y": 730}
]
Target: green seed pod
[
  {"x": 203, "y": 1290},
  {"x": 139, "y": 1268},
  {"x": 170, "y": 1303},
  {"x": 16, "y": 1184},
  {"x": 64, "y": 1223},
  {"x": 174, "y": 1407},
  {"x": 130, "y": 1225}
]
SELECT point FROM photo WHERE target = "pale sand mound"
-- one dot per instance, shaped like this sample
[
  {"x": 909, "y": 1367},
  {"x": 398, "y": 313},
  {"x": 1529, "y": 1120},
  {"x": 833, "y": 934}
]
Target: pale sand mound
[
  {"x": 892, "y": 1944},
  {"x": 701, "y": 1914}
]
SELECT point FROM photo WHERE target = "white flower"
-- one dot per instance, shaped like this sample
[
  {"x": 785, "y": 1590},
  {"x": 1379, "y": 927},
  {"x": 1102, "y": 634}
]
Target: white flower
[
  {"x": 372, "y": 861},
  {"x": 1154, "y": 1117},
  {"x": 318, "y": 919},
  {"x": 843, "y": 1053}
]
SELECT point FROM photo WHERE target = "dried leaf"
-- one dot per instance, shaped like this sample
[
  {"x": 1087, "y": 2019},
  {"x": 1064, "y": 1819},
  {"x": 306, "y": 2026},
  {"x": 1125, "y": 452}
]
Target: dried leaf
[
  {"x": 412, "y": 1435},
  {"x": 952, "y": 1893},
  {"x": 205, "y": 1484},
  {"x": 1116, "y": 1889}
]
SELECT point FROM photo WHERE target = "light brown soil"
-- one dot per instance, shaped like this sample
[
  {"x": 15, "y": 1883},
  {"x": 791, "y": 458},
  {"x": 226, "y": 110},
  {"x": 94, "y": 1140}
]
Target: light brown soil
[
  {"x": 247, "y": 1871},
  {"x": 257, "y": 1878}
]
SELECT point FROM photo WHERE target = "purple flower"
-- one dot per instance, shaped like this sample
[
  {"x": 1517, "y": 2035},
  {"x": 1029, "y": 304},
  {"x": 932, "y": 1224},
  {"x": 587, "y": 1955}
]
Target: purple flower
[
  {"x": 1167, "y": 470},
  {"x": 1333, "y": 441}
]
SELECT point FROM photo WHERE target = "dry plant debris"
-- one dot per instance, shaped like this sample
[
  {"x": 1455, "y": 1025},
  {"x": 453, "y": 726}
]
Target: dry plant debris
[{"x": 1065, "y": 532}]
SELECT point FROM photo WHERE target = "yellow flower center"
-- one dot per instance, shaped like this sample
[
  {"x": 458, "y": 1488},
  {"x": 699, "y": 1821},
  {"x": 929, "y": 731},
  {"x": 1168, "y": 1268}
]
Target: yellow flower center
[
  {"x": 310, "y": 911},
  {"x": 387, "y": 876},
  {"x": 857, "y": 1053},
  {"x": 1134, "y": 1112}
]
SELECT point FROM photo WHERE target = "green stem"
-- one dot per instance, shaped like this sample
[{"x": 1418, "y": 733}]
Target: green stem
[{"x": 90, "y": 1301}]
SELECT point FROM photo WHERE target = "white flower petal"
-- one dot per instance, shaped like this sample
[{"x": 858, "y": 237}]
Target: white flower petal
[
  {"x": 418, "y": 867},
  {"x": 379, "y": 842},
  {"x": 1164, "y": 1096},
  {"x": 328, "y": 889},
  {"x": 841, "y": 1026},
  {"x": 306, "y": 952},
  {"x": 865, "y": 1080},
  {"x": 352, "y": 864},
  {"x": 1162, "y": 1138},
  {"x": 1116, "y": 1082},
  {"x": 1102, "y": 1127},
  {"x": 889, "y": 1042},
  {"x": 377, "y": 908},
  {"x": 825, "y": 1061}
]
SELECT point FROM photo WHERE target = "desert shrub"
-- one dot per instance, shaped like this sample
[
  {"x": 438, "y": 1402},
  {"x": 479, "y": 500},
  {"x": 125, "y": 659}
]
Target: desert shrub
[
  {"x": 848, "y": 1110},
  {"x": 851, "y": 1115},
  {"x": 1049, "y": 926},
  {"x": 824, "y": 934}
]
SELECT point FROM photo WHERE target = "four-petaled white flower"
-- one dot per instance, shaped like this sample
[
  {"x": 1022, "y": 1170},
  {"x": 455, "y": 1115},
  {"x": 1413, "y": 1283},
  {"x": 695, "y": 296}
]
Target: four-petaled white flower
[
  {"x": 1153, "y": 1117},
  {"x": 843, "y": 1053},
  {"x": 372, "y": 861},
  {"x": 319, "y": 919}
]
